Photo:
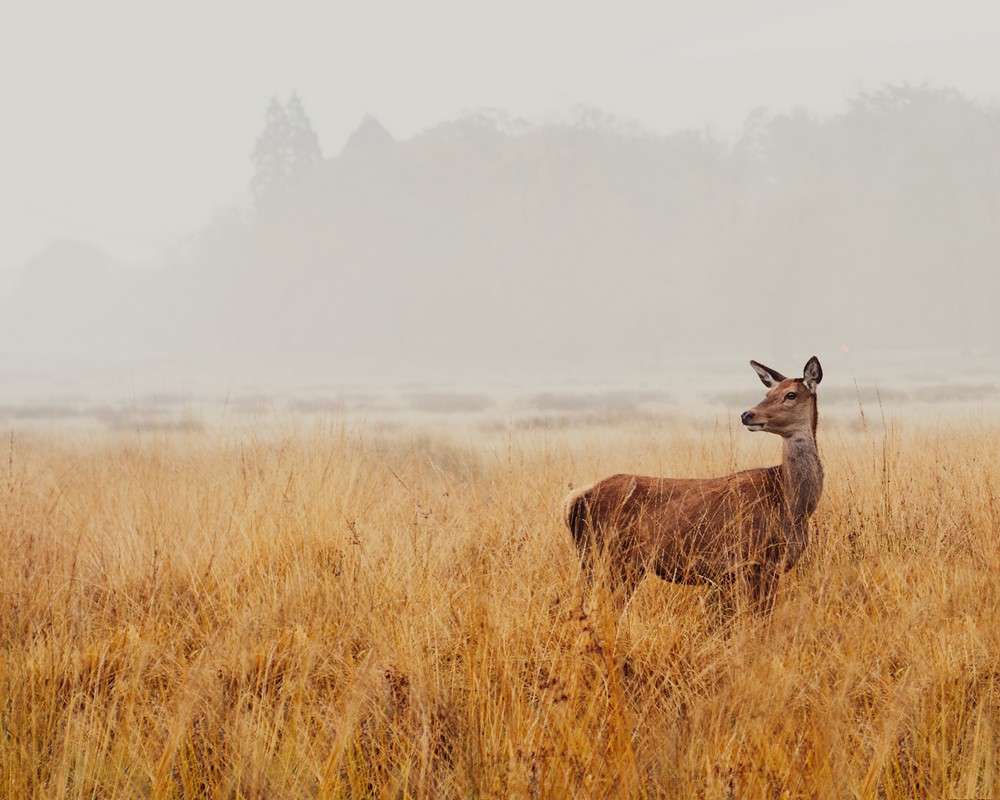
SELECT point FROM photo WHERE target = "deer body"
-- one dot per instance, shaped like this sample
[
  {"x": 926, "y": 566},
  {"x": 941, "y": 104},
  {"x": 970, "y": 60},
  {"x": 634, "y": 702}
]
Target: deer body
[{"x": 752, "y": 525}]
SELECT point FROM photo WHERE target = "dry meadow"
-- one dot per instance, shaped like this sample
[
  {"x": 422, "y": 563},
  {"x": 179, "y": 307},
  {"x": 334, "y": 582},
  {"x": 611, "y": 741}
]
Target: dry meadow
[{"x": 336, "y": 610}]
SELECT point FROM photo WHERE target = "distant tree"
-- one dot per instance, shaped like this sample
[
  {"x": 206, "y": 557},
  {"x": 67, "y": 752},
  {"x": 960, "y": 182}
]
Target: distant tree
[
  {"x": 370, "y": 136},
  {"x": 269, "y": 156},
  {"x": 286, "y": 150},
  {"x": 303, "y": 146},
  {"x": 929, "y": 159}
]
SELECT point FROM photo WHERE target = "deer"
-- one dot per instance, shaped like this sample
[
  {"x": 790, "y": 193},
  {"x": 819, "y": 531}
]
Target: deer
[{"x": 749, "y": 527}]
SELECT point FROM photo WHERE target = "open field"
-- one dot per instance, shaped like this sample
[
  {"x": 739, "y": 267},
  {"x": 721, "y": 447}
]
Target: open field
[{"x": 338, "y": 611}]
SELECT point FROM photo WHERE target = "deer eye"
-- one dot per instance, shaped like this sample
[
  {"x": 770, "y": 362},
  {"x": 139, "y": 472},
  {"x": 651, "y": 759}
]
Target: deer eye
[{"x": 791, "y": 396}]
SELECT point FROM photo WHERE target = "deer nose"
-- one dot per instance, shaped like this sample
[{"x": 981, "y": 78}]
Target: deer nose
[{"x": 747, "y": 417}]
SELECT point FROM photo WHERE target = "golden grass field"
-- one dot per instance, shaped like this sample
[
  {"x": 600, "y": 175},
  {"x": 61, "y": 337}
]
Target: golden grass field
[{"x": 334, "y": 611}]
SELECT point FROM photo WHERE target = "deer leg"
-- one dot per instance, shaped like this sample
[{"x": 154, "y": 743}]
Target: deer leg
[
  {"x": 757, "y": 584},
  {"x": 588, "y": 570},
  {"x": 627, "y": 577},
  {"x": 763, "y": 589}
]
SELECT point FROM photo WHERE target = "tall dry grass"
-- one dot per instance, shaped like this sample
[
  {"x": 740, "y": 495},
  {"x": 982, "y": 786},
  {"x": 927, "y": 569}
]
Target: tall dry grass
[{"x": 338, "y": 613}]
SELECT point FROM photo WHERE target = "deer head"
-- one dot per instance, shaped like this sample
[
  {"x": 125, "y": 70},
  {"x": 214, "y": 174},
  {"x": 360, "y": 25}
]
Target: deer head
[{"x": 789, "y": 407}]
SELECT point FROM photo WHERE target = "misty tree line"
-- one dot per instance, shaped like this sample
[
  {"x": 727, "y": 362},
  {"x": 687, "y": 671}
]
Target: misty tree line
[
  {"x": 875, "y": 228},
  {"x": 487, "y": 238}
]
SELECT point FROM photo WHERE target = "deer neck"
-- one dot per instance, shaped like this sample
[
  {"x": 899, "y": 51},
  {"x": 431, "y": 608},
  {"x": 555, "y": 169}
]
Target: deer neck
[{"x": 803, "y": 475}]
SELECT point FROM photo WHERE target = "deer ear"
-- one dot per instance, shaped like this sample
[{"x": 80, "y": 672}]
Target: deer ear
[
  {"x": 768, "y": 376},
  {"x": 812, "y": 374}
]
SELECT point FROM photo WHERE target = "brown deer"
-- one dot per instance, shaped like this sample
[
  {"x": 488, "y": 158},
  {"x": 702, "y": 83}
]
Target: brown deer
[{"x": 750, "y": 526}]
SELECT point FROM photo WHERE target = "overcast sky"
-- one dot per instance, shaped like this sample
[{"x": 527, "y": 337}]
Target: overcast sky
[{"x": 126, "y": 124}]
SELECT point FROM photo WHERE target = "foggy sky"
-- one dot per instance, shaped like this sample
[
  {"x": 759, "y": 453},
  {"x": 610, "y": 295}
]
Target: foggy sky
[{"x": 125, "y": 125}]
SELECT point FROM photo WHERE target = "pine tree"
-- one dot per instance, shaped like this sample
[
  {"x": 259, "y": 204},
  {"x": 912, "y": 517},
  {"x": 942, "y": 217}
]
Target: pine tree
[
  {"x": 269, "y": 158},
  {"x": 286, "y": 150},
  {"x": 303, "y": 146}
]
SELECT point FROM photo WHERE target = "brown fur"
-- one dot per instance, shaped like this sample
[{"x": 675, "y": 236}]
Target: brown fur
[{"x": 751, "y": 525}]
